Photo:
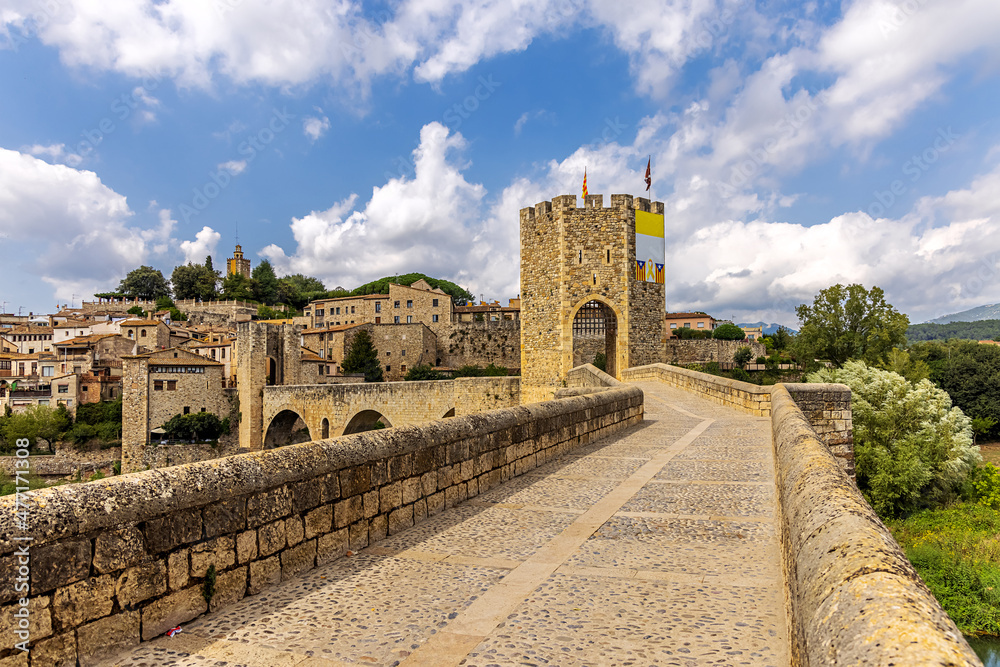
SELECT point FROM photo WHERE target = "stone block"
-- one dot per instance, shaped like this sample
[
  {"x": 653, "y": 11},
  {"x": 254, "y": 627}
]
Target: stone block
[
  {"x": 19, "y": 659},
  {"x": 168, "y": 532},
  {"x": 8, "y": 578},
  {"x": 267, "y": 507},
  {"x": 169, "y": 612},
  {"x": 294, "y": 530},
  {"x": 264, "y": 573},
  {"x": 435, "y": 503},
  {"x": 178, "y": 569},
  {"x": 412, "y": 490},
  {"x": 355, "y": 481},
  {"x": 358, "y": 535},
  {"x": 271, "y": 538},
  {"x": 84, "y": 601},
  {"x": 246, "y": 547},
  {"x": 348, "y": 511},
  {"x": 371, "y": 504},
  {"x": 423, "y": 461},
  {"x": 378, "y": 528},
  {"x": 104, "y": 639},
  {"x": 140, "y": 583},
  {"x": 390, "y": 497},
  {"x": 220, "y": 552},
  {"x": 227, "y": 516},
  {"x": 39, "y": 612},
  {"x": 331, "y": 546},
  {"x": 319, "y": 521},
  {"x": 331, "y": 486},
  {"x": 400, "y": 467},
  {"x": 428, "y": 482},
  {"x": 119, "y": 549},
  {"x": 400, "y": 519},
  {"x": 59, "y": 564},
  {"x": 298, "y": 559},
  {"x": 230, "y": 587},
  {"x": 58, "y": 651},
  {"x": 306, "y": 495},
  {"x": 419, "y": 511}
]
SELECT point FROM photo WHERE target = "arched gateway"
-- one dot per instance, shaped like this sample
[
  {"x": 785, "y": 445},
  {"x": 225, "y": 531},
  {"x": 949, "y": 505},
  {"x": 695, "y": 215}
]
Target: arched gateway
[{"x": 592, "y": 279}]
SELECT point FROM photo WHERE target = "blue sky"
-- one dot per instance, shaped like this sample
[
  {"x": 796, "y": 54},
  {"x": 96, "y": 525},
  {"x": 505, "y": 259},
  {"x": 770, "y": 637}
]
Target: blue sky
[{"x": 795, "y": 145}]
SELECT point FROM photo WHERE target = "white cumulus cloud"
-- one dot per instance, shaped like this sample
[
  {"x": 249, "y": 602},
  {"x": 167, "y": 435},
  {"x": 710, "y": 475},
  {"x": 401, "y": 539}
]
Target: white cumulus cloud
[{"x": 204, "y": 244}]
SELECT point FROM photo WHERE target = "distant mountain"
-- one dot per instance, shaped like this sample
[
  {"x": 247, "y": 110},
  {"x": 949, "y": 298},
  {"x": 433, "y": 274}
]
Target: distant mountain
[
  {"x": 768, "y": 328},
  {"x": 988, "y": 312}
]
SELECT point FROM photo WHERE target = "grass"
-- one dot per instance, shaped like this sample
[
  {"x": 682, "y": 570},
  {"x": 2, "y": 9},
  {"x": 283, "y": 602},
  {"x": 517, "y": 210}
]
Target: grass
[
  {"x": 956, "y": 551},
  {"x": 990, "y": 452}
]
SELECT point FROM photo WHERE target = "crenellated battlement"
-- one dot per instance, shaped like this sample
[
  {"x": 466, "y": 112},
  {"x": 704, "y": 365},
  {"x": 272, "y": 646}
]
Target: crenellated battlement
[{"x": 565, "y": 203}]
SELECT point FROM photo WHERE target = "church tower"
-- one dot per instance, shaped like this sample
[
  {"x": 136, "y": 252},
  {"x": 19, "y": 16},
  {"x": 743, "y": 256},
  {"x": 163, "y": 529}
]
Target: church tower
[{"x": 236, "y": 263}]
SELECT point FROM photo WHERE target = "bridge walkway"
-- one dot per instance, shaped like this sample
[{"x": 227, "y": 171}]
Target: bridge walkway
[{"x": 658, "y": 546}]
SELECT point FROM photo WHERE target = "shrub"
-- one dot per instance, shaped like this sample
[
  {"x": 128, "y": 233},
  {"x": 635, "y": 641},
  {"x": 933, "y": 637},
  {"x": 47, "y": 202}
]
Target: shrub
[
  {"x": 761, "y": 360},
  {"x": 81, "y": 434},
  {"x": 742, "y": 356},
  {"x": 712, "y": 367},
  {"x": 740, "y": 374},
  {"x": 495, "y": 371},
  {"x": 601, "y": 361},
  {"x": 728, "y": 332},
  {"x": 912, "y": 448},
  {"x": 987, "y": 486},
  {"x": 136, "y": 310},
  {"x": 422, "y": 372},
  {"x": 201, "y": 426}
]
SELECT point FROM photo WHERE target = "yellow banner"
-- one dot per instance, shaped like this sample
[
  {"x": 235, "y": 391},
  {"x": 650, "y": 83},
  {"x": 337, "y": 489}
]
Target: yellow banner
[{"x": 649, "y": 224}]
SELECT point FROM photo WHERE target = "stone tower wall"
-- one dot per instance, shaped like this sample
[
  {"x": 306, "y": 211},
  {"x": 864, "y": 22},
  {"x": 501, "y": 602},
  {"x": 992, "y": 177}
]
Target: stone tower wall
[
  {"x": 570, "y": 256},
  {"x": 135, "y": 411},
  {"x": 256, "y": 342}
]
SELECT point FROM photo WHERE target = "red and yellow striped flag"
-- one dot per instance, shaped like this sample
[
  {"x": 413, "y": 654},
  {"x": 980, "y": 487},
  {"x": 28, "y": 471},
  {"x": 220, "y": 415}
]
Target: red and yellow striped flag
[{"x": 584, "y": 182}]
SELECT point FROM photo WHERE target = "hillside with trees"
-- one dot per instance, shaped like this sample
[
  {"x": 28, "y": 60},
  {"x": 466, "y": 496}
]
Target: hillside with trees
[
  {"x": 461, "y": 295},
  {"x": 978, "y": 330}
]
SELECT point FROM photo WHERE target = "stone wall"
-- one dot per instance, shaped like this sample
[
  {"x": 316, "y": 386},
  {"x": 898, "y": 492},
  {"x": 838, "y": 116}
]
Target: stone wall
[
  {"x": 480, "y": 344},
  {"x": 122, "y": 560},
  {"x": 705, "y": 350},
  {"x": 570, "y": 256},
  {"x": 400, "y": 403},
  {"x": 827, "y": 408},
  {"x": 852, "y": 595},
  {"x": 750, "y": 398}
]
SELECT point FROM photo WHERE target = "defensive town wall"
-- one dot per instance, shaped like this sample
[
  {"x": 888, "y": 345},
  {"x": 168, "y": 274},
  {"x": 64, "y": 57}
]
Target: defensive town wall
[
  {"x": 480, "y": 344},
  {"x": 122, "y": 560},
  {"x": 851, "y": 595},
  {"x": 705, "y": 350}
]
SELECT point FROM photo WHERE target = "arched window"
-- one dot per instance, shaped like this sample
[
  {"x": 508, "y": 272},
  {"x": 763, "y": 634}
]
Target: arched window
[{"x": 143, "y": 333}]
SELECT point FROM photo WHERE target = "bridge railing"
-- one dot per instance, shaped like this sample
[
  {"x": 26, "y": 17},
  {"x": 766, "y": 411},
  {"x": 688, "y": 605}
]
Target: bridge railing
[
  {"x": 122, "y": 560},
  {"x": 853, "y": 597}
]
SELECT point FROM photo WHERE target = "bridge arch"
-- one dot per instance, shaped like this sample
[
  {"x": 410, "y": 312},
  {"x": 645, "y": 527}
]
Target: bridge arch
[
  {"x": 365, "y": 420},
  {"x": 596, "y": 326},
  {"x": 450, "y": 413},
  {"x": 287, "y": 427}
]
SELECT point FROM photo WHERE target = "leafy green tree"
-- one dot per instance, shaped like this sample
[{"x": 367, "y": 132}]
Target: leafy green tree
[
  {"x": 362, "y": 357},
  {"x": 460, "y": 295},
  {"x": 199, "y": 426},
  {"x": 422, "y": 372},
  {"x": 978, "y": 330},
  {"x": 36, "y": 423},
  {"x": 911, "y": 447},
  {"x": 743, "y": 356},
  {"x": 728, "y": 332},
  {"x": 195, "y": 281},
  {"x": 237, "y": 287},
  {"x": 982, "y": 426},
  {"x": 601, "y": 361},
  {"x": 781, "y": 338},
  {"x": 136, "y": 310},
  {"x": 969, "y": 372},
  {"x": 850, "y": 323},
  {"x": 265, "y": 283},
  {"x": 145, "y": 283},
  {"x": 899, "y": 361},
  {"x": 298, "y": 290}
]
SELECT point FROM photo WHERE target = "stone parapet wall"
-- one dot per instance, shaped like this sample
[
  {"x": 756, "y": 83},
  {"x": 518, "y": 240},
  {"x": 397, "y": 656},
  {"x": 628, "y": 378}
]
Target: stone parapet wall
[
  {"x": 827, "y": 408},
  {"x": 589, "y": 375},
  {"x": 853, "y": 597},
  {"x": 750, "y": 398},
  {"x": 706, "y": 350},
  {"x": 122, "y": 560}
]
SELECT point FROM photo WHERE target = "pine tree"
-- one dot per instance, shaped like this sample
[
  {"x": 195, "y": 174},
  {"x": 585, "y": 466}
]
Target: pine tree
[{"x": 362, "y": 357}]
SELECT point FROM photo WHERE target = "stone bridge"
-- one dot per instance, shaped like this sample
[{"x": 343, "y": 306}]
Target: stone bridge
[
  {"x": 300, "y": 413},
  {"x": 674, "y": 519}
]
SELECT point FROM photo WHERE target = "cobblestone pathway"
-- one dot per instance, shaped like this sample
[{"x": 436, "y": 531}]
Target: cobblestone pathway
[{"x": 654, "y": 547}]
